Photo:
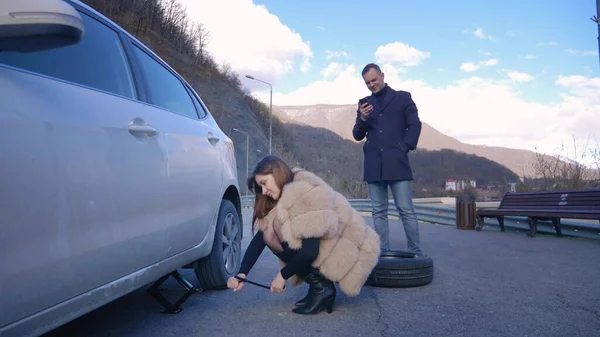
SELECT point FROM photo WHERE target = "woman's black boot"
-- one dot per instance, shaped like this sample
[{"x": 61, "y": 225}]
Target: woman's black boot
[
  {"x": 302, "y": 302},
  {"x": 303, "y": 275},
  {"x": 321, "y": 295}
]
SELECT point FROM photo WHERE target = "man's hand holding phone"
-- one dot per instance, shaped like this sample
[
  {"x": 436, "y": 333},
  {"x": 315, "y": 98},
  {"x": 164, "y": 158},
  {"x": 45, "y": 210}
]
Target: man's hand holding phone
[{"x": 365, "y": 109}]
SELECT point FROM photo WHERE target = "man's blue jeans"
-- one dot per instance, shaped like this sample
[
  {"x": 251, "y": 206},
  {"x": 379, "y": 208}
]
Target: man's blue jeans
[{"x": 402, "y": 192}]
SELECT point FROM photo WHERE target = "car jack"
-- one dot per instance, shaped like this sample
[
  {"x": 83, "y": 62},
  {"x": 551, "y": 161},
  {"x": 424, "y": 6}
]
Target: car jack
[{"x": 172, "y": 308}]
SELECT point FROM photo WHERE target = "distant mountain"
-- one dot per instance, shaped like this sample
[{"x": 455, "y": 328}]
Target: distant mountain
[
  {"x": 340, "y": 119},
  {"x": 339, "y": 161}
]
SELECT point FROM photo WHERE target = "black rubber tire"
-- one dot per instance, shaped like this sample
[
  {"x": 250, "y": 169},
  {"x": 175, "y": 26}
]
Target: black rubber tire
[
  {"x": 211, "y": 271},
  {"x": 399, "y": 269}
]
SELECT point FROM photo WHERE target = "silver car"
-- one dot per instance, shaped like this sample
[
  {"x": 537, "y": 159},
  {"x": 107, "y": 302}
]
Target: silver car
[{"x": 114, "y": 173}]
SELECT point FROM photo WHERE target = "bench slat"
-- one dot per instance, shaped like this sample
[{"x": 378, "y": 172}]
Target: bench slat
[
  {"x": 555, "y": 199},
  {"x": 561, "y": 204},
  {"x": 589, "y": 216},
  {"x": 550, "y": 205},
  {"x": 549, "y": 199},
  {"x": 553, "y": 204}
]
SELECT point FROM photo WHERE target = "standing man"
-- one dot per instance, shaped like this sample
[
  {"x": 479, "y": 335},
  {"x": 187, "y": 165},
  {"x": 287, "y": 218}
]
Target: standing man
[{"x": 390, "y": 121}]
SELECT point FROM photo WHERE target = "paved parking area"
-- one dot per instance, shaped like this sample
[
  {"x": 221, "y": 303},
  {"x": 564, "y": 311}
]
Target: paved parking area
[{"x": 485, "y": 284}]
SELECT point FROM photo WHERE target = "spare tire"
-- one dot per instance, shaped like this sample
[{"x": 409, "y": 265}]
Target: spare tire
[{"x": 399, "y": 269}]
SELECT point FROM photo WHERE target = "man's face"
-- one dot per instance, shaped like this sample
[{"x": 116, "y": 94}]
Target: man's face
[{"x": 374, "y": 80}]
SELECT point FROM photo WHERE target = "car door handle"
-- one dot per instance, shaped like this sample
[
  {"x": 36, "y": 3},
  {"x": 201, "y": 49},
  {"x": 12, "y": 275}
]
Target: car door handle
[
  {"x": 212, "y": 139},
  {"x": 147, "y": 130}
]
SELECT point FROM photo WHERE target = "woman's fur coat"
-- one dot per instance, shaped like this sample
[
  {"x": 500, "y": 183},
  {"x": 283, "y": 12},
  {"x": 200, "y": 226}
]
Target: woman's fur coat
[{"x": 349, "y": 248}]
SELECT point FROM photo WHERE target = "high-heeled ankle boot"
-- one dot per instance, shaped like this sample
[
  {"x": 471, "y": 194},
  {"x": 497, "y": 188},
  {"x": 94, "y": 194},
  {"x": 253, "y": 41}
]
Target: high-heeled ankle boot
[
  {"x": 302, "y": 302},
  {"x": 321, "y": 295},
  {"x": 304, "y": 275}
]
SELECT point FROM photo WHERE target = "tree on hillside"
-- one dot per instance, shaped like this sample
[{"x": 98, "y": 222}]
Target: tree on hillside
[
  {"x": 202, "y": 37},
  {"x": 564, "y": 170}
]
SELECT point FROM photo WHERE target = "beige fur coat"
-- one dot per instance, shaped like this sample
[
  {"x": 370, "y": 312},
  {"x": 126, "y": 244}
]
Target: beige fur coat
[{"x": 349, "y": 248}]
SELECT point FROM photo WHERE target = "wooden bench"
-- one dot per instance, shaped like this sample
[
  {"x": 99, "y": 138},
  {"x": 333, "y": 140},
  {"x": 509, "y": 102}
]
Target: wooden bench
[{"x": 544, "y": 206}]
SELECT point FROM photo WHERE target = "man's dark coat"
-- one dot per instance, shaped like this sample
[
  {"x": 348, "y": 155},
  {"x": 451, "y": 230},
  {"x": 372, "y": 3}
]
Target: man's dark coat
[{"x": 392, "y": 129}]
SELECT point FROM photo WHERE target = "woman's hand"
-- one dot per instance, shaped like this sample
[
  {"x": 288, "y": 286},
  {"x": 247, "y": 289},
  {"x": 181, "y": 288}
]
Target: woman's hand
[
  {"x": 278, "y": 284},
  {"x": 235, "y": 284}
]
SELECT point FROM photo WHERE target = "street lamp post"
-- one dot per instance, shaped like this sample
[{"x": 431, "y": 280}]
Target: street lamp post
[
  {"x": 270, "y": 109},
  {"x": 597, "y": 20},
  {"x": 247, "y": 152}
]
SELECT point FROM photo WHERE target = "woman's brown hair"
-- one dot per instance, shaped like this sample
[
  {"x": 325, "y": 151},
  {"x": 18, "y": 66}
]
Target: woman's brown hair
[{"x": 282, "y": 174}]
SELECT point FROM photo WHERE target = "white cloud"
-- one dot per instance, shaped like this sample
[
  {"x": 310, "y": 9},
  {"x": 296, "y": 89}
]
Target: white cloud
[
  {"x": 474, "y": 110},
  {"x": 335, "y": 54},
  {"x": 582, "y": 86},
  {"x": 401, "y": 53},
  {"x": 581, "y": 108},
  {"x": 332, "y": 70},
  {"x": 471, "y": 66},
  {"x": 308, "y": 55},
  {"x": 519, "y": 76},
  {"x": 321, "y": 28},
  {"x": 392, "y": 69},
  {"x": 582, "y": 52},
  {"x": 342, "y": 81},
  {"x": 277, "y": 52},
  {"x": 547, "y": 44},
  {"x": 530, "y": 57},
  {"x": 480, "y": 34}
]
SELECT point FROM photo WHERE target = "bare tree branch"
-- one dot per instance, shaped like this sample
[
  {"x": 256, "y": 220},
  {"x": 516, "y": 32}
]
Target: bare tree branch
[{"x": 566, "y": 171}]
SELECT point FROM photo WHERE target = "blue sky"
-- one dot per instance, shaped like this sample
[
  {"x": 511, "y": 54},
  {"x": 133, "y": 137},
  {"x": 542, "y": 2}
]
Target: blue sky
[
  {"x": 531, "y": 67},
  {"x": 439, "y": 27}
]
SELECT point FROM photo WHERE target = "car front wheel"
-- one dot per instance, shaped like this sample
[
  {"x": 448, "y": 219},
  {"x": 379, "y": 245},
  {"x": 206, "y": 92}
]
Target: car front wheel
[{"x": 224, "y": 260}]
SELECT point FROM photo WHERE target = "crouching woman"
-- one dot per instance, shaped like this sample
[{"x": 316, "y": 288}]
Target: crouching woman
[{"x": 317, "y": 236}]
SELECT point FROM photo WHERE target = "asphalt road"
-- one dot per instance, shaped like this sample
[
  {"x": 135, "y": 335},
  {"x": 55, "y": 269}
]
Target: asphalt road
[{"x": 485, "y": 284}]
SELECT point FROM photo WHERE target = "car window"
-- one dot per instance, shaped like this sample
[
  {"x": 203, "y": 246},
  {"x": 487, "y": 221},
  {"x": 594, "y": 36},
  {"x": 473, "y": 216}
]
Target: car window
[
  {"x": 201, "y": 112},
  {"x": 165, "y": 89},
  {"x": 98, "y": 60}
]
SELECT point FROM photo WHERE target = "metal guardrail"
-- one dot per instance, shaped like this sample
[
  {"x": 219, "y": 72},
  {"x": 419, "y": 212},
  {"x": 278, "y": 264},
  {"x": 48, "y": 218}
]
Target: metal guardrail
[
  {"x": 247, "y": 202},
  {"x": 445, "y": 215},
  {"x": 442, "y": 214}
]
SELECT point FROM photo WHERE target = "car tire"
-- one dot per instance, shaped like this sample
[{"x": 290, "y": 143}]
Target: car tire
[
  {"x": 400, "y": 269},
  {"x": 214, "y": 270}
]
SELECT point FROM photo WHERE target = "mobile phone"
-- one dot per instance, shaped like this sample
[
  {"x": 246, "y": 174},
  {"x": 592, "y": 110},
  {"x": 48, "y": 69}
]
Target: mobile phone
[{"x": 362, "y": 101}]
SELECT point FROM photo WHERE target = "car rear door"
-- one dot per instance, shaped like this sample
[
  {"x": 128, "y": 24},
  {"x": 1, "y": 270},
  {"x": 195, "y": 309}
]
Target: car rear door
[
  {"x": 83, "y": 163},
  {"x": 193, "y": 142}
]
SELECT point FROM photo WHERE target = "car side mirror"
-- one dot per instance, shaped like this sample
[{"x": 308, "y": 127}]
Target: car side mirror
[{"x": 33, "y": 25}]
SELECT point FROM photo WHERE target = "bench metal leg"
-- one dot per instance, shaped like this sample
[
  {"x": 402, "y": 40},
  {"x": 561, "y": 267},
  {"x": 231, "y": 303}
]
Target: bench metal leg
[
  {"x": 172, "y": 308},
  {"x": 532, "y": 226},
  {"x": 556, "y": 224},
  {"x": 501, "y": 222},
  {"x": 533, "y": 221},
  {"x": 480, "y": 223}
]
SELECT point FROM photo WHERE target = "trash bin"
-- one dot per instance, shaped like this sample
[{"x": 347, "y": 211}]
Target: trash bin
[{"x": 465, "y": 212}]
